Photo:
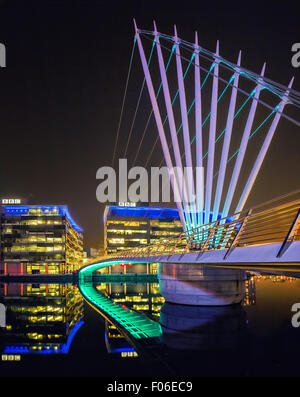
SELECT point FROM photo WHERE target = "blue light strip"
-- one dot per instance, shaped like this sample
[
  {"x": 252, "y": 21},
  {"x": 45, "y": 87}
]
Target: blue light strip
[
  {"x": 16, "y": 210},
  {"x": 118, "y": 349},
  {"x": 64, "y": 349},
  {"x": 147, "y": 212}
]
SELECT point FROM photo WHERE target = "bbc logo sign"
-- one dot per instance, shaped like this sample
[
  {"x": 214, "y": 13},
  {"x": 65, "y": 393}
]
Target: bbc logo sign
[
  {"x": 11, "y": 201},
  {"x": 2, "y": 315}
]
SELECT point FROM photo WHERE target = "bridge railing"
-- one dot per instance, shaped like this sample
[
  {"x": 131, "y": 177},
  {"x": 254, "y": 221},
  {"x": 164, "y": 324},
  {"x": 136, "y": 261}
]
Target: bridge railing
[{"x": 275, "y": 221}]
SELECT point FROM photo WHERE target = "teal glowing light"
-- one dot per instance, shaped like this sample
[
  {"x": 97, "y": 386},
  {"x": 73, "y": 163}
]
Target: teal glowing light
[{"x": 136, "y": 324}]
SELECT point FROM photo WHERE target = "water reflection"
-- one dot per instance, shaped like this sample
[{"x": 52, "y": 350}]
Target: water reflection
[
  {"x": 40, "y": 318},
  {"x": 45, "y": 318},
  {"x": 197, "y": 328},
  {"x": 116, "y": 343},
  {"x": 200, "y": 285},
  {"x": 142, "y": 297},
  {"x": 183, "y": 326}
]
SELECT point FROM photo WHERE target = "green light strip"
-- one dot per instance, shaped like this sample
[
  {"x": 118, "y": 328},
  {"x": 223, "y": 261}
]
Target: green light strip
[{"x": 138, "y": 325}]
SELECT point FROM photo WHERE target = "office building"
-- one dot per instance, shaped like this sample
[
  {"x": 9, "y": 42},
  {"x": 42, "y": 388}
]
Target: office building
[
  {"x": 131, "y": 226},
  {"x": 39, "y": 239}
]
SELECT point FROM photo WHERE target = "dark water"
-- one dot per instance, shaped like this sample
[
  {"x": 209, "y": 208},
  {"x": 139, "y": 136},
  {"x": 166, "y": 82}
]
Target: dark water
[{"x": 51, "y": 331}]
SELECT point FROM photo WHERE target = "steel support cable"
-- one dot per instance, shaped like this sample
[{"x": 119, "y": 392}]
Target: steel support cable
[
  {"x": 236, "y": 114},
  {"x": 220, "y": 97},
  {"x": 173, "y": 101},
  {"x": 191, "y": 106},
  {"x": 123, "y": 102},
  {"x": 253, "y": 133},
  {"x": 138, "y": 104},
  {"x": 272, "y": 86},
  {"x": 228, "y": 83},
  {"x": 250, "y": 137},
  {"x": 297, "y": 123},
  {"x": 207, "y": 117},
  {"x": 150, "y": 115}
]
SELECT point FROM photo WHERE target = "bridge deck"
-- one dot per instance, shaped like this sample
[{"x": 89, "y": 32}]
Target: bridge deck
[{"x": 263, "y": 254}]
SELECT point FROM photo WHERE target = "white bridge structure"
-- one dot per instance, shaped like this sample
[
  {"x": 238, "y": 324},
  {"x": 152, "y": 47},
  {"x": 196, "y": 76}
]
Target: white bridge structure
[
  {"x": 218, "y": 230},
  {"x": 222, "y": 194}
]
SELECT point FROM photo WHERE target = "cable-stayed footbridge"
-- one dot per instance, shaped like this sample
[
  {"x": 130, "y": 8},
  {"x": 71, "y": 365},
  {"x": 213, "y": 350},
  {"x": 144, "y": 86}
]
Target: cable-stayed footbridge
[
  {"x": 266, "y": 234},
  {"x": 208, "y": 115}
]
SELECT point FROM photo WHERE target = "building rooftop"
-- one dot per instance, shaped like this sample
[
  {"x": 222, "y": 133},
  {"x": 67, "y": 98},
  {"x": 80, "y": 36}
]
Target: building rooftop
[
  {"x": 62, "y": 210},
  {"x": 146, "y": 212}
]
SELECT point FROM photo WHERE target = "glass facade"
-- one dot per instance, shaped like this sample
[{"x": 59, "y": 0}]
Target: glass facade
[
  {"x": 127, "y": 227},
  {"x": 39, "y": 240}
]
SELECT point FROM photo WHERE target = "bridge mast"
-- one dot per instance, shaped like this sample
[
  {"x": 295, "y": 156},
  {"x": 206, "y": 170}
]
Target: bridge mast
[
  {"x": 226, "y": 142},
  {"x": 171, "y": 120},
  {"x": 263, "y": 150},
  {"x": 243, "y": 145},
  {"x": 199, "y": 143},
  {"x": 160, "y": 127},
  {"x": 212, "y": 137}
]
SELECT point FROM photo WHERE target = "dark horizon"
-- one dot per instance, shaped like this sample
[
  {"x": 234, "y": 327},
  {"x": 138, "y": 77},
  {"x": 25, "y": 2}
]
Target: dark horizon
[{"x": 63, "y": 86}]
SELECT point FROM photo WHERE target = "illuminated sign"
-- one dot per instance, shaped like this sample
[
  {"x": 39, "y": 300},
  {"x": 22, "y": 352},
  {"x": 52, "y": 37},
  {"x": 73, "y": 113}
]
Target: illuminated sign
[
  {"x": 11, "y": 201},
  {"x": 11, "y": 357},
  {"x": 126, "y": 204}
]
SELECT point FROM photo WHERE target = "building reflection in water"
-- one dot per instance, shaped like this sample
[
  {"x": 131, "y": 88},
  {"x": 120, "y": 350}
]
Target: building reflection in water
[
  {"x": 144, "y": 298},
  {"x": 40, "y": 318},
  {"x": 250, "y": 291},
  {"x": 116, "y": 343},
  {"x": 183, "y": 326}
]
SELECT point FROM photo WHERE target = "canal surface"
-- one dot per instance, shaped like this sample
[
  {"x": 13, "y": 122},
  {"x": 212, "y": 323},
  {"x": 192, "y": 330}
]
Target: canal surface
[{"x": 127, "y": 329}]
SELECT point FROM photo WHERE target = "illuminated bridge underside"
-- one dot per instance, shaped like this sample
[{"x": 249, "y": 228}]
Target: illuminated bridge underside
[{"x": 135, "y": 324}]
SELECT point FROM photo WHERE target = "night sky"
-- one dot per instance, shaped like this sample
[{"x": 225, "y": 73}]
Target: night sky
[{"x": 62, "y": 90}]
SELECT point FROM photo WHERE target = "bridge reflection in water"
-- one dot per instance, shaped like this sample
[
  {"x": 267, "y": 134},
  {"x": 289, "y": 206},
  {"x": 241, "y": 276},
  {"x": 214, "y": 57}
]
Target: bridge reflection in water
[
  {"x": 140, "y": 324},
  {"x": 214, "y": 321},
  {"x": 198, "y": 328},
  {"x": 200, "y": 285}
]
